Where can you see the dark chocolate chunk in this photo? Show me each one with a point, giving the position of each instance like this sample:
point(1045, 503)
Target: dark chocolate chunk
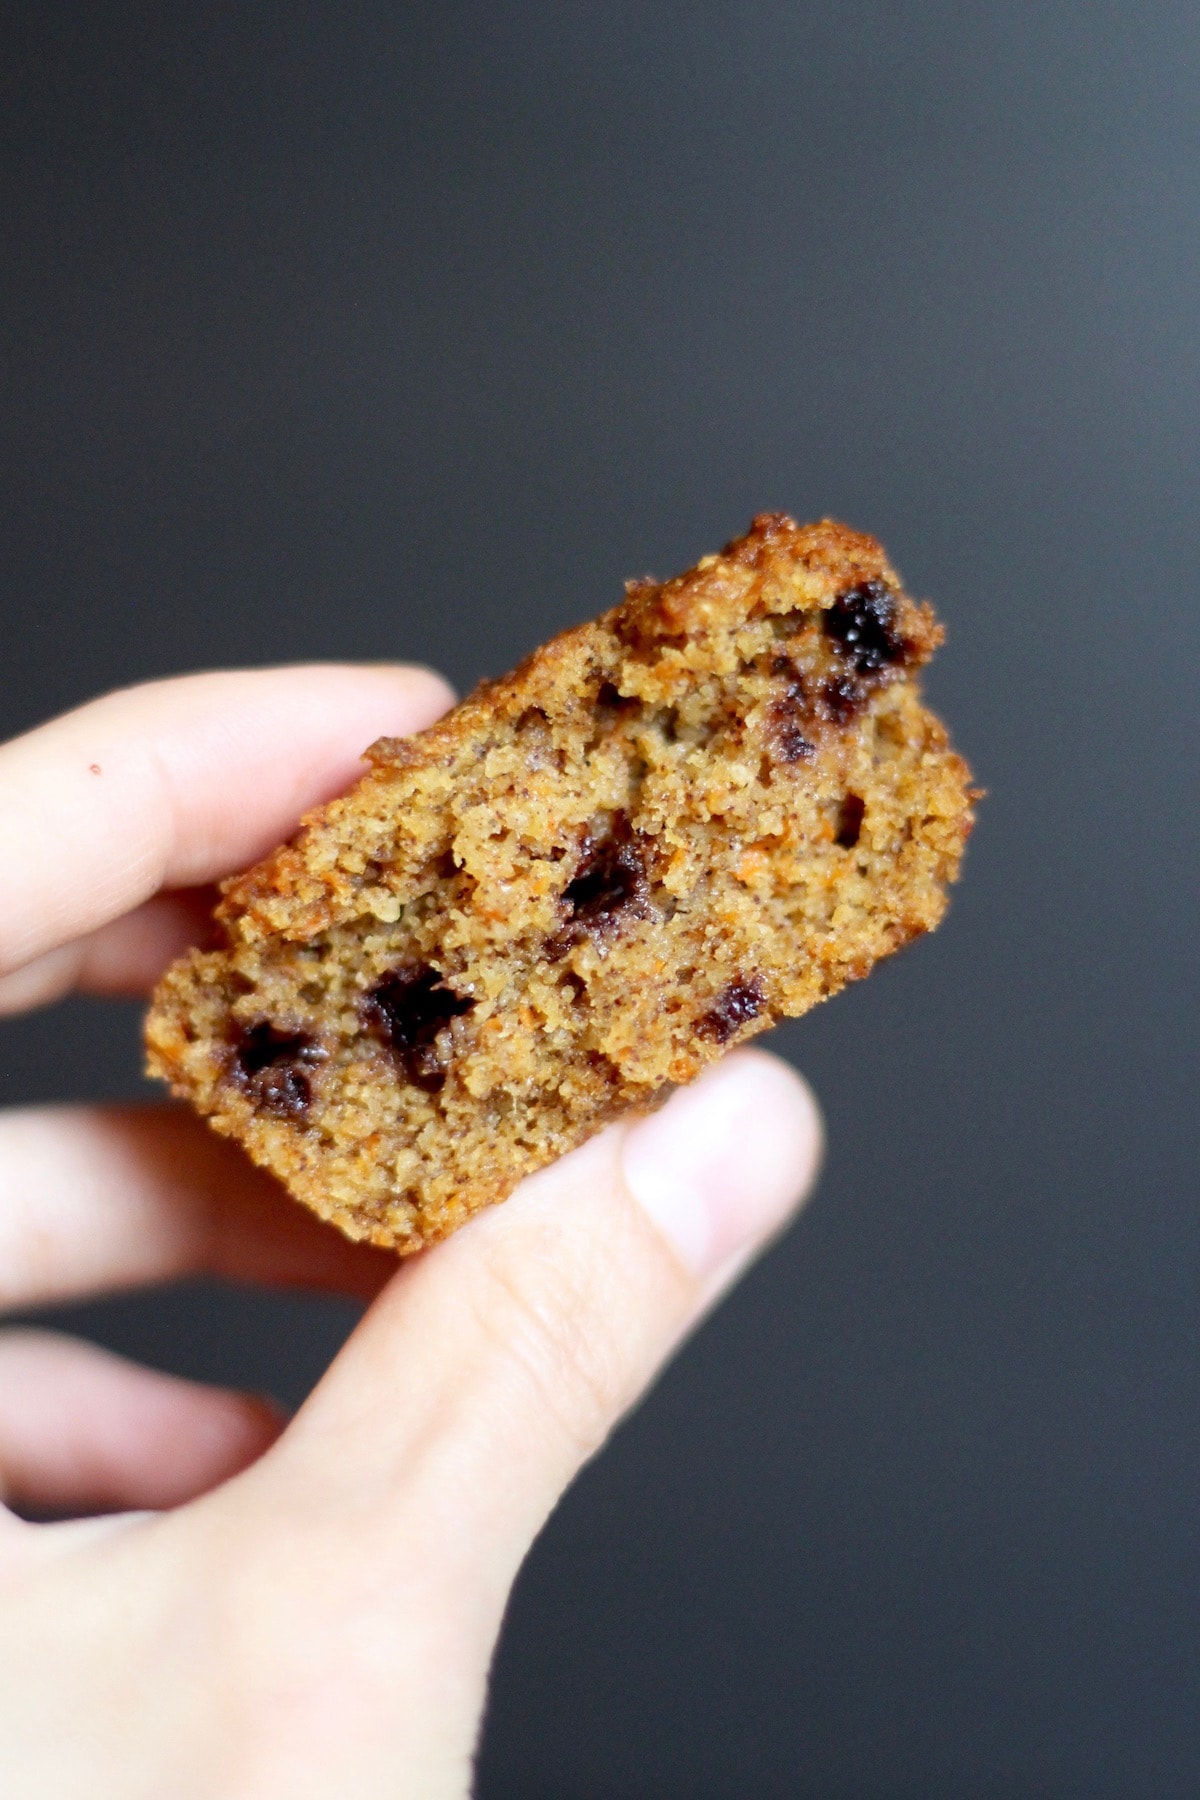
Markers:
point(850, 820)
point(408, 1010)
point(734, 1007)
point(610, 886)
point(861, 623)
point(274, 1068)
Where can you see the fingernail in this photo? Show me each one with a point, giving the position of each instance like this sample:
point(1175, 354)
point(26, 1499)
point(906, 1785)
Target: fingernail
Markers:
point(723, 1164)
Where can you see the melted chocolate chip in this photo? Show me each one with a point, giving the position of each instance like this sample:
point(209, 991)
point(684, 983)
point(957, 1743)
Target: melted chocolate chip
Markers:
point(786, 719)
point(612, 879)
point(861, 623)
point(842, 698)
point(273, 1067)
point(610, 886)
point(407, 1010)
point(850, 820)
point(734, 1007)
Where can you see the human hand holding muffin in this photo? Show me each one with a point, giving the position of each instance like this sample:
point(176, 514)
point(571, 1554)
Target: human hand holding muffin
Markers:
point(309, 1610)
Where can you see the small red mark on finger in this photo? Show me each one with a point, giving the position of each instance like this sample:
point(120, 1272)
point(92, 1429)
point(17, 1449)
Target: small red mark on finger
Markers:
point(95, 769)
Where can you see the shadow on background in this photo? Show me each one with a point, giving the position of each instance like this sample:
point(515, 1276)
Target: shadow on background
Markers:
point(383, 331)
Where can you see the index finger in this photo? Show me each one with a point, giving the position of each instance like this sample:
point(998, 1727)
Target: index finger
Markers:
point(176, 783)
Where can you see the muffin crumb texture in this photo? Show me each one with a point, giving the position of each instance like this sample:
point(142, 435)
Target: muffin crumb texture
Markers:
point(667, 829)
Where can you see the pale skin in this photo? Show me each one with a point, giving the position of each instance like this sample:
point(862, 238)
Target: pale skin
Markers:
point(269, 1610)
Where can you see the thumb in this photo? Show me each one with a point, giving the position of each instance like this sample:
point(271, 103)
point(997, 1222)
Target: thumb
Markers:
point(493, 1367)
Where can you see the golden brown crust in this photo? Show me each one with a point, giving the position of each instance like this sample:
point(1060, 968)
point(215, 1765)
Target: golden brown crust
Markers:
point(709, 808)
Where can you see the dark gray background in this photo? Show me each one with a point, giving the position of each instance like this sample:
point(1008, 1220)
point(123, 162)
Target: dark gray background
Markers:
point(366, 330)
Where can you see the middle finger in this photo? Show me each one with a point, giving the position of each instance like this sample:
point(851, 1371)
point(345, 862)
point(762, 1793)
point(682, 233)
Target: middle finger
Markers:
point(126, 956)
point(94, 1199)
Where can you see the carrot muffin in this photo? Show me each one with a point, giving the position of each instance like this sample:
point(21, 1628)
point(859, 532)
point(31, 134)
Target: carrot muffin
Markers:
point(667, 829)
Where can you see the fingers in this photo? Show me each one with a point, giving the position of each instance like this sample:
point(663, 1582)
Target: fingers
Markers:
point(126, 956)
point(367, 1557)
point(177, 783)
point(83, 1430)
point(493, 1367)
point(96, 1198)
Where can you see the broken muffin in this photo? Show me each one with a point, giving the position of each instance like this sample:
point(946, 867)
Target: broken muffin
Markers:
point(707, 810)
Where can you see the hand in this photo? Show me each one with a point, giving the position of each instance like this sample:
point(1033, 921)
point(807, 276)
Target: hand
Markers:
point(306, 1611)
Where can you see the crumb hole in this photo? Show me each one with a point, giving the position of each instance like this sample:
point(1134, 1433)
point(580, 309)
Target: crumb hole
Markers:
point(850, 819)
